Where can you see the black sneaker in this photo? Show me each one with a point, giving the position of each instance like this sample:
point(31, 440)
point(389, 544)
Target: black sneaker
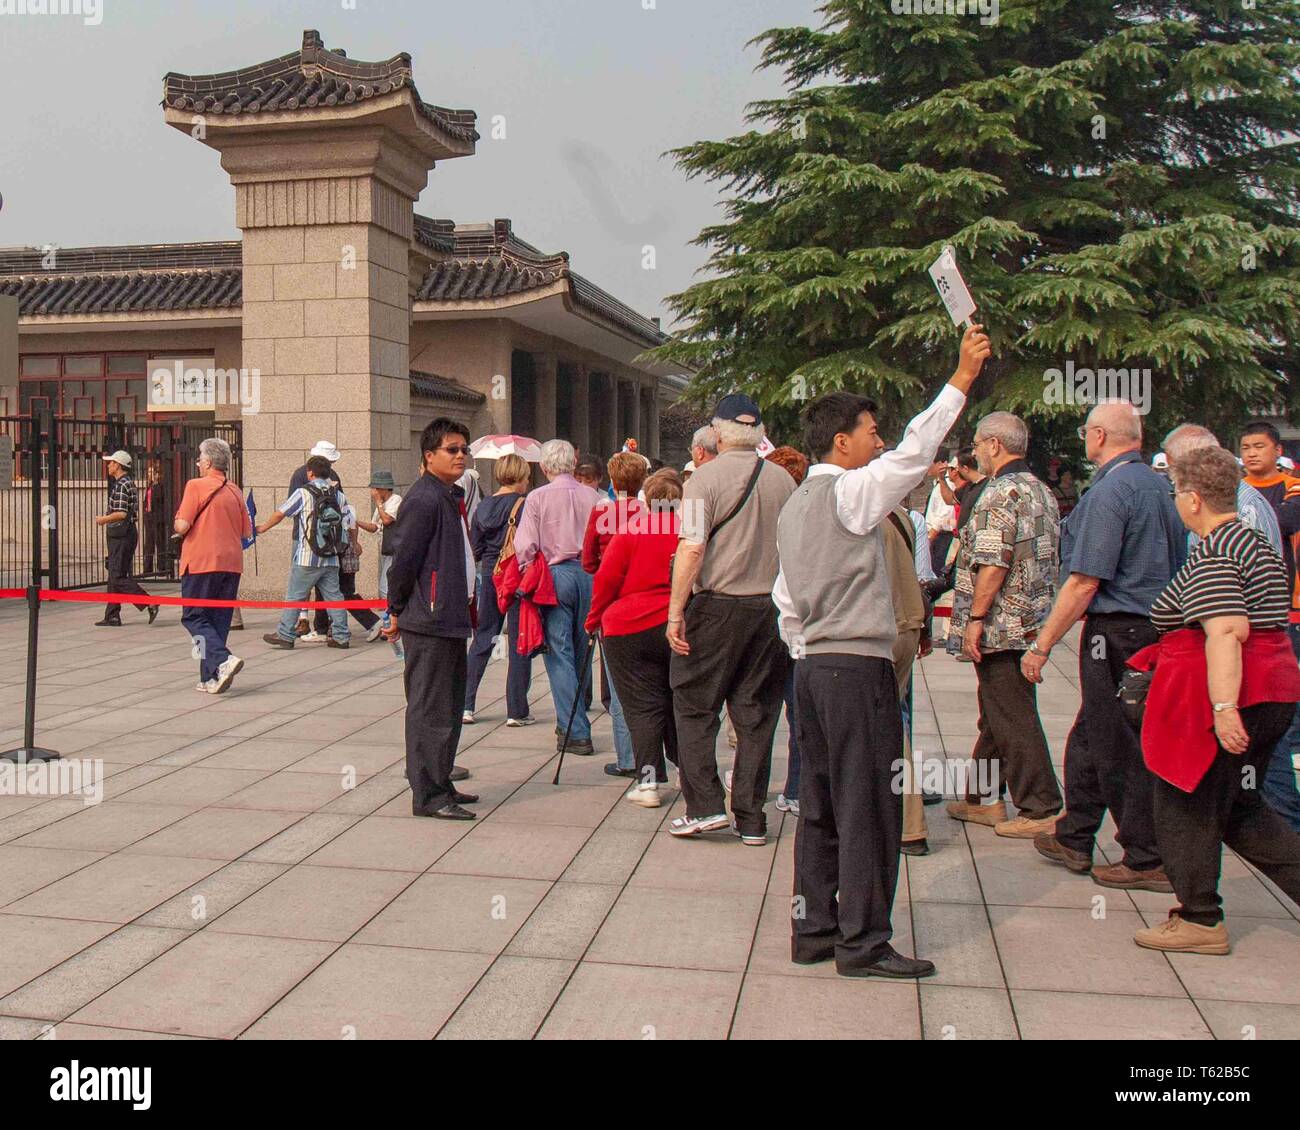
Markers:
point(276, 640)
point(614, 771)
point(153, 613)
point(108, 622)
point(582, 747)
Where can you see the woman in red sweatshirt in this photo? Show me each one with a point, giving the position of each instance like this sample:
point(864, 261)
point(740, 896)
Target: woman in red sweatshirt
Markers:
point(629, 605)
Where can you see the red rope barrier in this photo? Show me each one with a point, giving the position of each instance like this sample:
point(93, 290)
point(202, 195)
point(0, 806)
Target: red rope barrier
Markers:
point(184, 602)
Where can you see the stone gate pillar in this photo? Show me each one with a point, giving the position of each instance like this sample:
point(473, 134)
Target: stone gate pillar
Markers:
point(327, 156)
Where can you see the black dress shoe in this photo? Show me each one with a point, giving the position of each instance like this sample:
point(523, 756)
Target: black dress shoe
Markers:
point(466, 798)
point(915, 847)
point(108, 622)
point(275, 640)
point(459, 774)
point(153, 613)
point(580, 746)
point(893, 964)
point(929, 798)
point(810, 956)
point(614, 771)
point(455, 812)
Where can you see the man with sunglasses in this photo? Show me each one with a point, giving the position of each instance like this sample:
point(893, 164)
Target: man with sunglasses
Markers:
point(431, 591)
point(1119, 549)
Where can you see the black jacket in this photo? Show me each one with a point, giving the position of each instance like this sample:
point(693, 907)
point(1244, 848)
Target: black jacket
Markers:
point(491, 520)
point(427, 587)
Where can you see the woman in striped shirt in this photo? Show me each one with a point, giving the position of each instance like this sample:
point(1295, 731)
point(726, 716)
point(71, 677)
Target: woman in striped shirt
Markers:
point(1223, 693)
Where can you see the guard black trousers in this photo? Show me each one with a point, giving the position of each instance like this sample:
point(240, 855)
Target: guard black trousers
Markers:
point(850, 808)
point(434, 678)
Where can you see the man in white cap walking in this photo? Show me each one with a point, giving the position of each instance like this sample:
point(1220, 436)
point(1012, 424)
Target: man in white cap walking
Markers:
point(313, 629)
point(121, 535)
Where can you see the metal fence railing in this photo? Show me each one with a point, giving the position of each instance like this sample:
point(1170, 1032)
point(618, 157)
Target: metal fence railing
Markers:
point(67, 467)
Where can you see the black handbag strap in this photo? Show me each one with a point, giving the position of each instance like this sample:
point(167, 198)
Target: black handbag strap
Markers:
point(208, 502)
point(749, 489)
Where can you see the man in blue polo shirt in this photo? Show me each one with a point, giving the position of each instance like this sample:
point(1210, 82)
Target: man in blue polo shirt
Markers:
point(1120, 547)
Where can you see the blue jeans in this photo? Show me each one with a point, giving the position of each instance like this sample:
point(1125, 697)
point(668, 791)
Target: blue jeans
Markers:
point(324, 578)
point(622, 735)
point(1279, 779)
point(566, 645)
point(209, 625)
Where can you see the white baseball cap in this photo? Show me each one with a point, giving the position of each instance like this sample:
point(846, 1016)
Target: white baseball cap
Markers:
point(327, 449)
point(1286, 462)
point(118, 457)
point(1160, 461)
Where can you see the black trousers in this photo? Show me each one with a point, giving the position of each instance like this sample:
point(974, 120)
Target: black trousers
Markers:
point(1011, 737)
point(121, 552)
point(736, 658)
point(639, 664)
point(1106, 769)
point(363, 616)
point(1228, 807)
point(850, 808)
point(434, 678)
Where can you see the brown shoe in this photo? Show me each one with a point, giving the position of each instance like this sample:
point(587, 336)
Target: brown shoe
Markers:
point(1177, 936)
point(1057, 852)
point(1025, 828)
point(1124, 878)
point(990, 814)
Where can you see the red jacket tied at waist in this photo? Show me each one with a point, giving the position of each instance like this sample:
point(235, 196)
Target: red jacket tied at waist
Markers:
point(535, 588)
point(1178, 742)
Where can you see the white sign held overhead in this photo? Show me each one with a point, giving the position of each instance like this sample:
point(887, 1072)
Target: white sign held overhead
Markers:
point(952, 287)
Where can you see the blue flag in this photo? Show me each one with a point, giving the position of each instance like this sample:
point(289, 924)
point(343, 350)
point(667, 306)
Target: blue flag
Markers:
point(252, 518)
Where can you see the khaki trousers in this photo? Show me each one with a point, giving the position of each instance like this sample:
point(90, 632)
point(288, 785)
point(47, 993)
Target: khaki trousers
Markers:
point(905, 646)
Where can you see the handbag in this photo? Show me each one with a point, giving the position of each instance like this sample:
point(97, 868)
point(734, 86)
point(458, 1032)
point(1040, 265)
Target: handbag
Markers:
point(508, 545)
point(1132, 694)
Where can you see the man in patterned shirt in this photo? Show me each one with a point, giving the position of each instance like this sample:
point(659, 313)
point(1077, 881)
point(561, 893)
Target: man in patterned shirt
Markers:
point(1006, 581)
point(121, 535)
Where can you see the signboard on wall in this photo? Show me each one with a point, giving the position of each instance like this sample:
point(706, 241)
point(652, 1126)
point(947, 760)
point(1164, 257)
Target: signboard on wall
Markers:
point(182, 384)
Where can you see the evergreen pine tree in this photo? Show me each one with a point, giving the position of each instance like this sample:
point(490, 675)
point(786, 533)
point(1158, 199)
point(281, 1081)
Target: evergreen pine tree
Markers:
point(1119, 180)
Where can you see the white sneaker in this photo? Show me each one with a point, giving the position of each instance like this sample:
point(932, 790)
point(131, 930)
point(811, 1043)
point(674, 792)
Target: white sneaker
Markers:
point(467, 718)
point(206, 688)
point(226, 675)
point(694, 825)
point(374, 632)
point(521, 721)
point(312, 637)
point(647, 796)
point(790, 806)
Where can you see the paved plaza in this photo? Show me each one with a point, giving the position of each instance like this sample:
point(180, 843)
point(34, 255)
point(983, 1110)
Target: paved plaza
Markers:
point(254, 872)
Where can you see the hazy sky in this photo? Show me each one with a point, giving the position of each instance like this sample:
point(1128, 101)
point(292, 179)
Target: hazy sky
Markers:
point(592, 91)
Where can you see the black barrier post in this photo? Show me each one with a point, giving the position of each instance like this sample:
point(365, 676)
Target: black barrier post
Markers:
point(42, 436)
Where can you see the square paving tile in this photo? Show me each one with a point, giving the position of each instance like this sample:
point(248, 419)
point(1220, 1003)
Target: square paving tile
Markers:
point(704, 864)
point(679, 929)
point(528, 851)
point(369, 992)
point(288, 792)
point(390, 844)
point(631, 1002)
point(1093, 1016)
point(511, 1000)
point(961, 1012)
point(316, 903)
point(475, 914)
point(33, 945)
point(27, 869)
point(1264, 964)
point(790, 1008)
point(116, 889)
point(215, 833)
point(213, 985)
point(106, 827)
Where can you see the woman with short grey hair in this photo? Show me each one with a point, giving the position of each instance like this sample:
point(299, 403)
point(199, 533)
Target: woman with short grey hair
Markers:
point(558, 457)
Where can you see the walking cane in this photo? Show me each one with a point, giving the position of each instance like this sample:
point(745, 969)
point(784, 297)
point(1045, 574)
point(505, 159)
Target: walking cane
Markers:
point(584, 673)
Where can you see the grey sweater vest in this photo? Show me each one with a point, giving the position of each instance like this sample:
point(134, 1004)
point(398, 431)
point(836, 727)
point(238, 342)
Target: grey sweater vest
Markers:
point(837, 580)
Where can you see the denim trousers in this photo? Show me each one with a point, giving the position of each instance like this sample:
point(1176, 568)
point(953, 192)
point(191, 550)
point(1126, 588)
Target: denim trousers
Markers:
point(1279, 777)
point(567, 656)
point(323, 578)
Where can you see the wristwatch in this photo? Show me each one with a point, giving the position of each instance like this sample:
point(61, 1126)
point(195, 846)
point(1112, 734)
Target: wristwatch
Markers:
point(1220, 707)
point(1036, 650)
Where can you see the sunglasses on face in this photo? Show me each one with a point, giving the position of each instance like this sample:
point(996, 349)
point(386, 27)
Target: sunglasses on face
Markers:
point(456, 449)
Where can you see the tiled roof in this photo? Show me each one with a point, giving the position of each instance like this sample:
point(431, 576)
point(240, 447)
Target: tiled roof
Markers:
point(313, 77)
point(490, 261)
point(132, 291)
point(140, 257)
point(444, 388)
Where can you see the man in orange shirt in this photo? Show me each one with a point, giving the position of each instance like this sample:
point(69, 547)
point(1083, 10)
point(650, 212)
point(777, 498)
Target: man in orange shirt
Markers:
point(1261, 448)
point(212, 521)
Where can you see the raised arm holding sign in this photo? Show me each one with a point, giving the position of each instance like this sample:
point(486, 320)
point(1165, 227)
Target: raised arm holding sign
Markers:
point(952, 288)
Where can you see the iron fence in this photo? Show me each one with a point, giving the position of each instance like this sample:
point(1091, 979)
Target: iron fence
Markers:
point(64, 461)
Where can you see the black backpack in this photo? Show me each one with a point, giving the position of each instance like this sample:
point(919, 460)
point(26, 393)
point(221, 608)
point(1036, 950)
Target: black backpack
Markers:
point(324, 528)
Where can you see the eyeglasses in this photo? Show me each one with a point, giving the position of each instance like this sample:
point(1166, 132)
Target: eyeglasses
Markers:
point(456, 449)
point(1083, 431)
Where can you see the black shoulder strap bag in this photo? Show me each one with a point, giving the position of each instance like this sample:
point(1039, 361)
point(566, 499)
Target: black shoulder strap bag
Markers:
point(749, 489)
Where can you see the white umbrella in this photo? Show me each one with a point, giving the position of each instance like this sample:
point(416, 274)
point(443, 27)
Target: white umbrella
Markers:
point(493, 447)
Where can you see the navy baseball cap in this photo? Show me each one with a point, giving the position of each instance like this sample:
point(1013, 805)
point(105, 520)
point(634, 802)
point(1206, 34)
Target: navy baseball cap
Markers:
point(738, 407)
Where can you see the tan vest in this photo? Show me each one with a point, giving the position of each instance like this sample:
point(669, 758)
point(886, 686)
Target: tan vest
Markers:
point(909, 607)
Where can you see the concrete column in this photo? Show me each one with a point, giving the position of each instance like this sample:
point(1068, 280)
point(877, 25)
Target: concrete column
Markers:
point(634, 391)
point(610, 420)
point(545, 374)
point(651, 425)
point(581, 400)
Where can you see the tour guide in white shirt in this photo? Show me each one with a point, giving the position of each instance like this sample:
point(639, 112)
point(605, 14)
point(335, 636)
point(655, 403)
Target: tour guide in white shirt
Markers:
point(837, 617)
